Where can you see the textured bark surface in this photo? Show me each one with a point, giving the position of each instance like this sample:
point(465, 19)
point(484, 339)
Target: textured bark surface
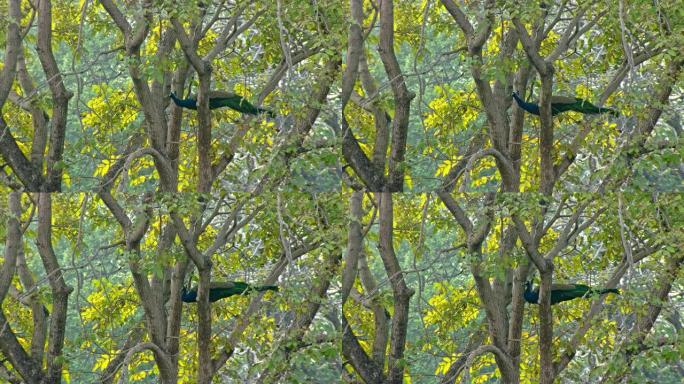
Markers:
point(222, 196)
point(401, 293)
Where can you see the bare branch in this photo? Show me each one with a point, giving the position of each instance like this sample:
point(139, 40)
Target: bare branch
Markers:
point(457, 212)
point(530, 48)
point(123, 377)
point(460, 18)
point(402, 97)
point(501, 356)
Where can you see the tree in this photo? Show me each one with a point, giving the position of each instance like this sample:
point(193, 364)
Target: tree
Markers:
point(547, 223)
point(173, 215)
point(397, 196)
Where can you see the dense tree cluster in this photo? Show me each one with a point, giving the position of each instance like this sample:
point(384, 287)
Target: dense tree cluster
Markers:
point(366, 191)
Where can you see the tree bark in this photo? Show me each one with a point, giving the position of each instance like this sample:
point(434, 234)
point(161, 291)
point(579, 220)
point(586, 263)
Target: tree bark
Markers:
point(60, 290)
point(402, 98)
point(60, 98)
point(400, 292)
point(9, 344)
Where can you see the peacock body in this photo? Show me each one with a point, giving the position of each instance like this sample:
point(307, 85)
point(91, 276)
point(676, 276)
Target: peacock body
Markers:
point(565, 292)
point(560, 104)
point(221, 290)
point(220, 99)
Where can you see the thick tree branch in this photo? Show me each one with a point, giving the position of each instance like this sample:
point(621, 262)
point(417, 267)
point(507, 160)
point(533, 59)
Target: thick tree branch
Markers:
point(60, 97)
point(402, 97)
point(359, 359)
point(60, 290)
point(12, 50)
point(354, 244)
point(123, 377)
point(596, 306)
point(400, 290)
point(357, 159)
point(460, 17)
point(242, 322)
point(498, 353)
point(456, 210)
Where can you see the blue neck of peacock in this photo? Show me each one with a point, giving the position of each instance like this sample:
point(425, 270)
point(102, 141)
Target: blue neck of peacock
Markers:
point(529, 107)
point(529, 295)
point(185, 103)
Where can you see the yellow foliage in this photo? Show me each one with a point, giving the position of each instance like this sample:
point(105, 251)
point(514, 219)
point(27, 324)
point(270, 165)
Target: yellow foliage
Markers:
point(443, 366)
point(109, 305)
point(407, 376)
point(494, 42)
point(103, 360)
point(549, 44)
point(207, 43)
point(103, 167)
point(111, 109)
point(444, 168)
point(582, 91)
point(150, 48)
point(141, 358)
point(482, 361)
point(529, 173)
point(66, 180)
point(65, 374)
point(453, 109)
point(409, 181)
point(452, 308)
point(484, 163)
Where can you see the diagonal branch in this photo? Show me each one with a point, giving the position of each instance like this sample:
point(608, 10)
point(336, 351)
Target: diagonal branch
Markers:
point(596, 306)
point(501, 356)
point(158, 352)
point(530, 48)
point(456, 210)
point(460, 17)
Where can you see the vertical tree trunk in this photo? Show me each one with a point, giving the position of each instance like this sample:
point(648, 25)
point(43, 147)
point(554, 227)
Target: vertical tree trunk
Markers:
point(60, 291)
point(546, 170)
point(401, 293)
point(204, 326)
point(60, 97)
point(401, 94)
point(204, 150)
point(9, 345)
point(517, 311)
point(546, 328)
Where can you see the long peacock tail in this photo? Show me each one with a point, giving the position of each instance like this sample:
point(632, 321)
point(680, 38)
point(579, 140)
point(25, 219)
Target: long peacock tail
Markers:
point(237, 103)
point(261, 288)
point(583, 106)
point(606, 290)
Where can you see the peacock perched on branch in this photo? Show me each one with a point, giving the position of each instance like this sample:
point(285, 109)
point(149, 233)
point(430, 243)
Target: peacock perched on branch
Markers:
point(220, 290)
point(564, 292)
point(560, 104)
point(220, 99)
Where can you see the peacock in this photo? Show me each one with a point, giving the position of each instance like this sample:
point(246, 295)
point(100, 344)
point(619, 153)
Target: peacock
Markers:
point(560, 104)
point(220, 290)
point(564, 292)
point(220, 99)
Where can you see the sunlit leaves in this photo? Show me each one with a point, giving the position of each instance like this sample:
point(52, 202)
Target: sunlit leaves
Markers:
point(110, 305)
point(111, 109)
point(452, 110)
point(451, 309)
